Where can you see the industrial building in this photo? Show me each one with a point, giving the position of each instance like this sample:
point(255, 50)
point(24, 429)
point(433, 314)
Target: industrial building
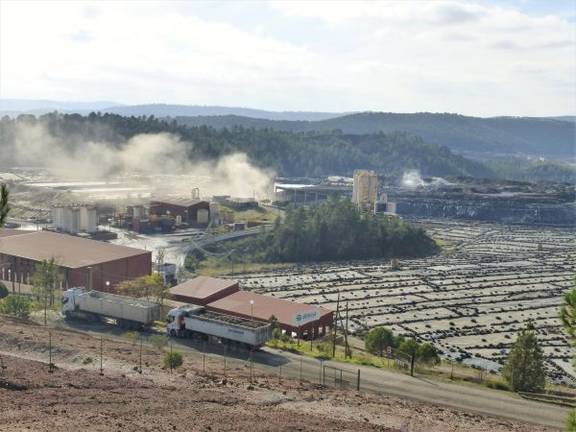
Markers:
point(184, 210)
point(309, 193)
point(365, 189)
point(203, 290)
point(225, 296)
point(301, 319)
point(94, 264)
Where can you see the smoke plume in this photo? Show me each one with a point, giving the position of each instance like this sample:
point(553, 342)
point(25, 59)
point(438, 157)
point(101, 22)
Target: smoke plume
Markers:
point(160, 158)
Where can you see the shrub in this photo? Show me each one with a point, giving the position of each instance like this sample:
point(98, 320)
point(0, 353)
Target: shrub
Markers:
point(17, 306)
point(3, 290)
point(571, 421)
point(159, 341)
point(172, 359)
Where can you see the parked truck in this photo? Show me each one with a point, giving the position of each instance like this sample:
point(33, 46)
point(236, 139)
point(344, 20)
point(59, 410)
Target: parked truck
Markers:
point(196, 321)
point(128, 312)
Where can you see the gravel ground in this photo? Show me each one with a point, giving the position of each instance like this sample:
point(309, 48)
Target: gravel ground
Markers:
point(76, 397)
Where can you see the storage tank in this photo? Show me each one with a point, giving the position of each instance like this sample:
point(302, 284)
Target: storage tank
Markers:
point(88, 219)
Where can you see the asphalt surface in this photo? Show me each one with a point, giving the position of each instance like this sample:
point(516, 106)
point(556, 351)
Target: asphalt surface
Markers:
point(467, 397)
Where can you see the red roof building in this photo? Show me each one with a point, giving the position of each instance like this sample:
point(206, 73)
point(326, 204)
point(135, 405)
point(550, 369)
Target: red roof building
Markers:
point(203, 290)
point(305, 320)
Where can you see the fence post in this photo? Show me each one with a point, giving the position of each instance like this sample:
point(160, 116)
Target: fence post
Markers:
point(101, 354)
point(300, 373)
point(50, 365)
point(204, 357)
point(251, 367)
point(358, 381)
point(412, 359)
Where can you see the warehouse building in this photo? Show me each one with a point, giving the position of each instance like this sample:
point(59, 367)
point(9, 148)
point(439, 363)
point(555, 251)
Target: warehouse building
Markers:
point(203, 290)
point(183, 210)
point(83, 262)
point(304, 320)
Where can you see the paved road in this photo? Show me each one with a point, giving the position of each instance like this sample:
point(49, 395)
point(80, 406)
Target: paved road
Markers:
point(466, 397)
point(476, 399)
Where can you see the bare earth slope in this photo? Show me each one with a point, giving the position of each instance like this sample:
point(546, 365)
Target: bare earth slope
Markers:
point(76, 397)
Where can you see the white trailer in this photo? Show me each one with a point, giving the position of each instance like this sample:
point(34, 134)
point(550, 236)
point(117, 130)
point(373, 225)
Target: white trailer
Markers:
point(96, 305)
point(190, 321)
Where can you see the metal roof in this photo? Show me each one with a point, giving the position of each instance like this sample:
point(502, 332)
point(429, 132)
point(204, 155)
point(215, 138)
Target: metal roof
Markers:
point(68, 250)
point(264, 307)
point(201, 287)
point(178, 201)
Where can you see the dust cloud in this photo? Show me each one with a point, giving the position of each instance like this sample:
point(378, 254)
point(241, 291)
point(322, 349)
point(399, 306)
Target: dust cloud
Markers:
point(161, 159)
point(413, 179)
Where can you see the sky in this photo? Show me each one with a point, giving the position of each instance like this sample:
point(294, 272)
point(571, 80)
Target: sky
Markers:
point(485, 58)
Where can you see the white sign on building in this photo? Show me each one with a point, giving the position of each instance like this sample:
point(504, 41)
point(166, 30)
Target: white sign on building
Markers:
point(302, 318)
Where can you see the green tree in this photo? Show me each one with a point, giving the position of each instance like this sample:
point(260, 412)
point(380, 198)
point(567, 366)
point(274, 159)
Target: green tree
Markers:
point(568, 314)
point(568, 318)
point(3, 290)
point(4, 205)
point(45, 280)
point(378, 339)
point(409, 347)
point(149, 287)
point(18, 306)
point(524, 367)
point(571, 421)
point(426, 353)
point(276, 331)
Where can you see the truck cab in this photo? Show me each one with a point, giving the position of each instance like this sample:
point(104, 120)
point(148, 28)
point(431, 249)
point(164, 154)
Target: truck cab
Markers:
point(176, 324)
point(69, 299)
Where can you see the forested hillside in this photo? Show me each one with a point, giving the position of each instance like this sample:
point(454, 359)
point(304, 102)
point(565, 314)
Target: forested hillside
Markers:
point(289, 154)
point(332, 231)
point(499, 135)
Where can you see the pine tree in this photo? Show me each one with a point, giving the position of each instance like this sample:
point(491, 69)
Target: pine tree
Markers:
point(524, 368)
point(4, 207)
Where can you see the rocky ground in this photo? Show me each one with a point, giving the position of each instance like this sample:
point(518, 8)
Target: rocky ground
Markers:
point(76, 397)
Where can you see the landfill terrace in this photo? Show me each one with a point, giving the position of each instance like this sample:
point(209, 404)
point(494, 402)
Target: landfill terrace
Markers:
point(470, 301)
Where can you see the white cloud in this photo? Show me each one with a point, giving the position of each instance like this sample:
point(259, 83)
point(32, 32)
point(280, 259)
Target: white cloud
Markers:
point(391, 56)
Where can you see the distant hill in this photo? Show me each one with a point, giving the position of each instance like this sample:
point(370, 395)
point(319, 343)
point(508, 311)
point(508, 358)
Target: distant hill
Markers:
point(163, 110)
point(14, 107)
point(41, 106)
point(287, 153)
point(549, 137)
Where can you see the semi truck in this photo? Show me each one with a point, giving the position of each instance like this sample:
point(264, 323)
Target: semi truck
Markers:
point(128, 312)
point(196, 321)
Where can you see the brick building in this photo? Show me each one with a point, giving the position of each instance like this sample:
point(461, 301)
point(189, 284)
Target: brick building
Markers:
point(83, 262)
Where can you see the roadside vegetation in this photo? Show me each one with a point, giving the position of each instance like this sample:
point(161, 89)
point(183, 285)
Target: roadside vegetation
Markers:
point(568, 317)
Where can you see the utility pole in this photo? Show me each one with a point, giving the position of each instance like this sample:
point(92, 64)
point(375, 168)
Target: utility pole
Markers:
point(347, 352)
point(335, 324)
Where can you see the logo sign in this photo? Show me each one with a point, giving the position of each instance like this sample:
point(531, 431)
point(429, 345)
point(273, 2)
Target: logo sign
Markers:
point(302, 318)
